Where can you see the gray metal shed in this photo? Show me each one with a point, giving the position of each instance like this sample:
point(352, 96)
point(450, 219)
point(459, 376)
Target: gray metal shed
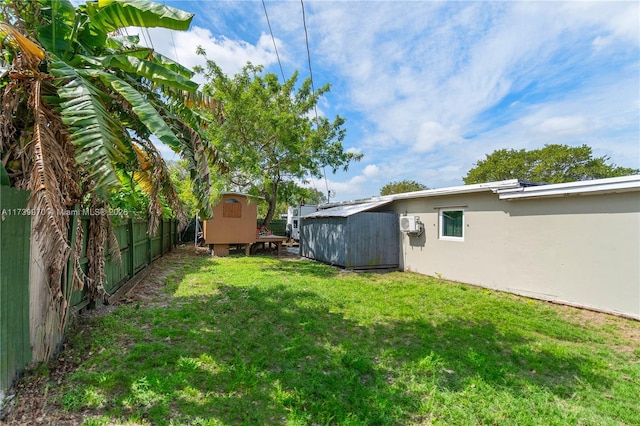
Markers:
point(351, 236)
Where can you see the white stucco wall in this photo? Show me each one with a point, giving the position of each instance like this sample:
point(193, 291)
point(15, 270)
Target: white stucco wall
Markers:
point(581, 250)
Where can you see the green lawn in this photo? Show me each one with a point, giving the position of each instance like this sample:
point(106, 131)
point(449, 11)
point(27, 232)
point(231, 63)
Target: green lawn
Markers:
point(260, 340)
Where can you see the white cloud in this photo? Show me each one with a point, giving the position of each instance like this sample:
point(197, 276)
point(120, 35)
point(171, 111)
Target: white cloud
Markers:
point(568, 125)
point(431, 133)
point(230, 55)
point(428, 88)
point(371, 171)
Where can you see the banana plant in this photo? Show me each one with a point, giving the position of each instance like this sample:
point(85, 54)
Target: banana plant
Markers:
point(81, 102)
point(108, 90)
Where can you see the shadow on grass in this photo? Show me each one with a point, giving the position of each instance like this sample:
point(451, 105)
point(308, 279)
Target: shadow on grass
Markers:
point(253, 356)
point(302, 267)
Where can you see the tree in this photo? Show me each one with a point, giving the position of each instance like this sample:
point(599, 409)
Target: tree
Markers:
point(291, 194)
point(181, 178)
point(551, 164)
point(268, 137)
point(401, 186)
point(79, 105)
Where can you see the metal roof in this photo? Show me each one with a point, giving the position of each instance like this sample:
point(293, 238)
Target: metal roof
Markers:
point(584, 187)
point(506, 189)
point(348, 209)
point(463, 189)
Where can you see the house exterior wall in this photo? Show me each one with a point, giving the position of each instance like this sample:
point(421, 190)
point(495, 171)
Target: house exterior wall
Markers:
point(580, 250)
point(232, 230)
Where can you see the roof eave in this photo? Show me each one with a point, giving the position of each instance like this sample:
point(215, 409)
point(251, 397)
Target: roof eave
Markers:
point(587, 187)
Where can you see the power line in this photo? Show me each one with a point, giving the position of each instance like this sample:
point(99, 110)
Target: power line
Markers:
point(173, 42)
point(273, 39)
point(315, 106)
point(149, 35)
point(306, 36)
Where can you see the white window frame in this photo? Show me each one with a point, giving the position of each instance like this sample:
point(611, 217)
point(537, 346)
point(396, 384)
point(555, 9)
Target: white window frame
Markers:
point(441, 223)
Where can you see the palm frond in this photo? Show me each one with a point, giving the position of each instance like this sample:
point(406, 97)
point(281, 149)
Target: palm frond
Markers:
point(158, 176)
point(98, 235)
point(93, 130)
point(48, 179)
point(139, 106)
point(109, 15)
point(31, 52)
point(129, 46)
point(153, 72)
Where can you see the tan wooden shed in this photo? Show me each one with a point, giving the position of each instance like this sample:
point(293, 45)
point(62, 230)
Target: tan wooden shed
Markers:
point(234, 222)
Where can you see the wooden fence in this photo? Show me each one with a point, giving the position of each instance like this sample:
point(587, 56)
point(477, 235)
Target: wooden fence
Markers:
point(15, 229)
point(137, 251)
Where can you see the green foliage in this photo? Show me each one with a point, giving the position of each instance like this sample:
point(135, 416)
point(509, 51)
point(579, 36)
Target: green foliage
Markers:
point(111, 94)
point(181, 178)
point(399, 187)
point(291, 194)
point(268, 137)
point(259, 340)
point(551, 164)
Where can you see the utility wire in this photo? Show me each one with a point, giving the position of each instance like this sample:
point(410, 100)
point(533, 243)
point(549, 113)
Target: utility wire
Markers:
point(173, 42)
point(306, 36)
point(315, 106)
point(149, 35)
point(274, 40)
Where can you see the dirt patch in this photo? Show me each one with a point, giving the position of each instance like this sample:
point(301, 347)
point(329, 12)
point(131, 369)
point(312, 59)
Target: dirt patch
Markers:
point(626, 328)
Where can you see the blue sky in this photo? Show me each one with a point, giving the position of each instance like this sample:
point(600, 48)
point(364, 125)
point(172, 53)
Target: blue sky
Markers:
point(429, 88)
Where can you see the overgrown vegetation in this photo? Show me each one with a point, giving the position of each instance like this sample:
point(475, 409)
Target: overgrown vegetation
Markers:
point(260, 340)
point(80, 103)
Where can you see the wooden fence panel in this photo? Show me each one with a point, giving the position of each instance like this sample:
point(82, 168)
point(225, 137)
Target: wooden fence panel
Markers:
point(167, 228)
point(118, 272)
point(156, 243)
point(15, 230)
point(137, 251)
point(141, 246)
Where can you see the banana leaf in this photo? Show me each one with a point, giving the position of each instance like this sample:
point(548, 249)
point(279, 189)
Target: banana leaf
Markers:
point(109, 15)
point(143, 109)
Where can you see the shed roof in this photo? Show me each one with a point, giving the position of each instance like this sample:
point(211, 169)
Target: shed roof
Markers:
point(349, 209)
point(243, 194)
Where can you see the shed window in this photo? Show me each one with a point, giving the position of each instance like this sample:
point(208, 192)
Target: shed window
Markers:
point(452, 224)
point(232, 208)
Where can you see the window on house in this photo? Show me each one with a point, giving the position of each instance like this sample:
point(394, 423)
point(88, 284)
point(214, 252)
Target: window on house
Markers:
point(232, 208)
point(452, 224)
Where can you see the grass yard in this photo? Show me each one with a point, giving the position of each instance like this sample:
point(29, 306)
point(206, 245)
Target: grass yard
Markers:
point(262, 340)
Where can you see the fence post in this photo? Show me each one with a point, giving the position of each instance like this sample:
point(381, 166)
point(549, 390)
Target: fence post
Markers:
point(149, 254)
point(170, 234)
point(132, 256)
point(162, 237)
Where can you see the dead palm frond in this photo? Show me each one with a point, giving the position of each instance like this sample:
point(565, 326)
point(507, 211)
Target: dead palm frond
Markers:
point(50, 180)
point(29, 54)
point(156, 181)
